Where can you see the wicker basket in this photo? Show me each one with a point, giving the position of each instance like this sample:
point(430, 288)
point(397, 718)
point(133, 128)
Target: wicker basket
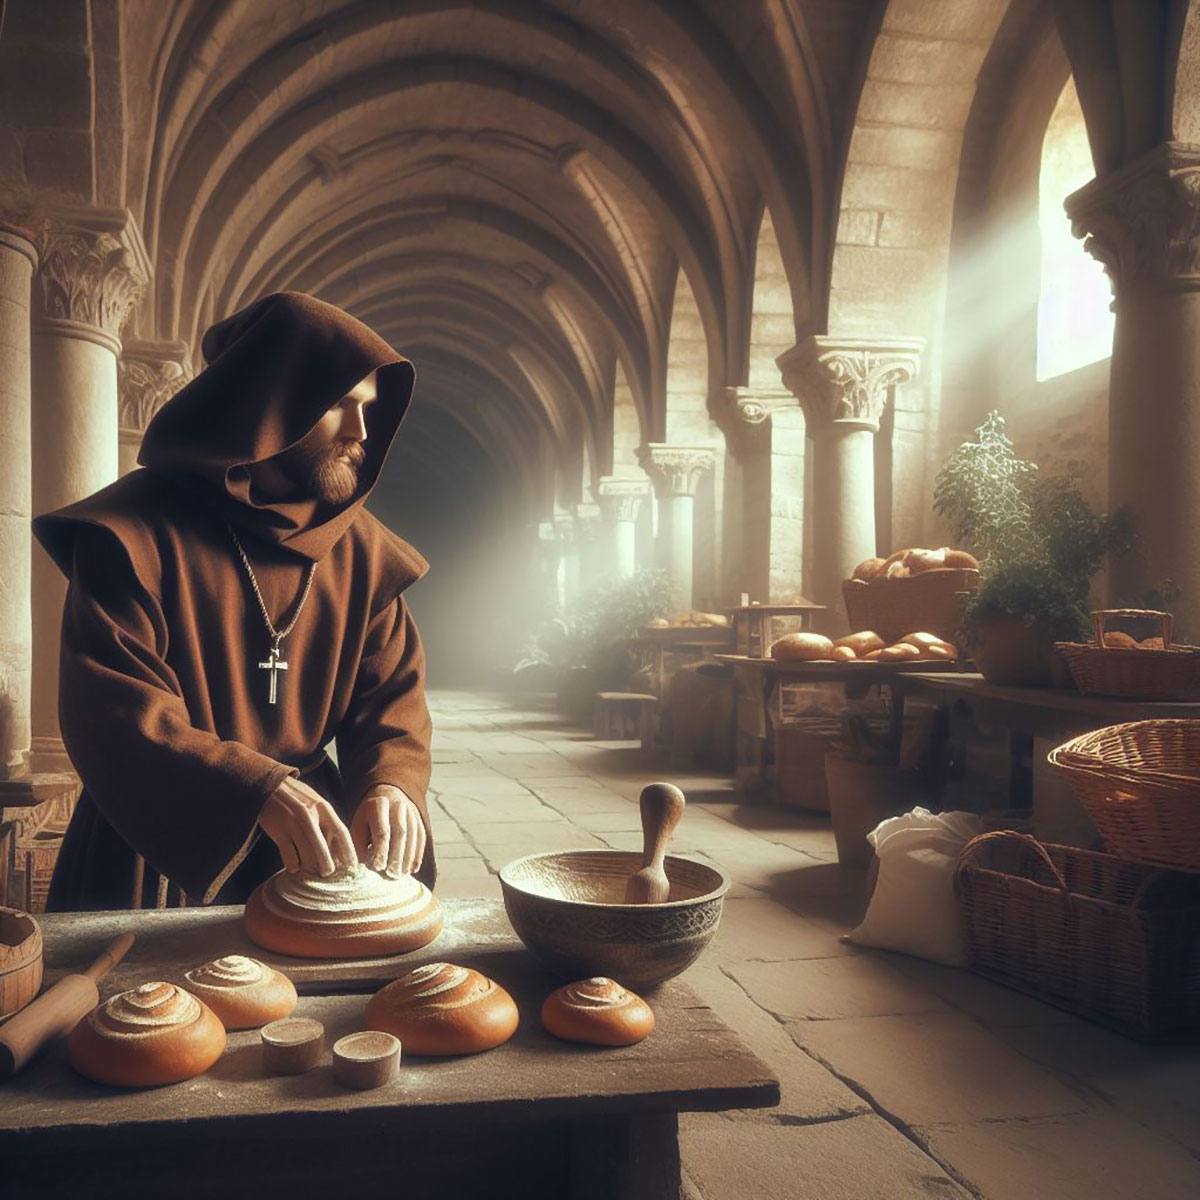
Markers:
point(1140, 784)
point(930, 602)
point(1172, 673)
point(1116, 942)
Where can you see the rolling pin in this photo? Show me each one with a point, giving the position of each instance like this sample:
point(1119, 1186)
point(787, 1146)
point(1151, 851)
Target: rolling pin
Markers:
point(57, 1011)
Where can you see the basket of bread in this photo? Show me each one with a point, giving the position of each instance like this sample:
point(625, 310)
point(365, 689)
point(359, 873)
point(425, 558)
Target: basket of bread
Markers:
point(1116, 663)
point(911, 589)
point(866, 646)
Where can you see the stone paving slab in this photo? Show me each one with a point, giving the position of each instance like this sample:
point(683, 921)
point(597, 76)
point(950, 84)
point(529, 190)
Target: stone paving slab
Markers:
point(858, 1158)
point(754, 928)
point(927, 1068)
point(826, 989)
point(1088, 1156)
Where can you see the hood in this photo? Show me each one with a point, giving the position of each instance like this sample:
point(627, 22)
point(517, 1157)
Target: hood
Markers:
point(273, 369)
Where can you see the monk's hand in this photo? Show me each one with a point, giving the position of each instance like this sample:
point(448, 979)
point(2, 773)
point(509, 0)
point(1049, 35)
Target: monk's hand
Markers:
point(303, 824)
point(388, 831)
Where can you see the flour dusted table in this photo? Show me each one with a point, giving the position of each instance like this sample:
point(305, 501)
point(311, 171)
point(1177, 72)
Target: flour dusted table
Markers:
point(535, 1118)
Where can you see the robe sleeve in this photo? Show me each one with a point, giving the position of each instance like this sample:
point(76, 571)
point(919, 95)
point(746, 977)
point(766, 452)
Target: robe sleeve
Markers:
point(384, 736)
point(183, 798)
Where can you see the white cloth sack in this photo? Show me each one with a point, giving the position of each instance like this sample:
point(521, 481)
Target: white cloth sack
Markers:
point(914, 909)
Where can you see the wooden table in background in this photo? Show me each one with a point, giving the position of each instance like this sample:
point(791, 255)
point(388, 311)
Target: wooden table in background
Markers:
point(758, 681)
point(751, 624)
point(1027, 713)
point(678, 639)
point(535, 1118)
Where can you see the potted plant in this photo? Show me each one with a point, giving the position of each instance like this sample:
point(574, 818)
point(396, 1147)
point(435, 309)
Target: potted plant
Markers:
point(1039, 543)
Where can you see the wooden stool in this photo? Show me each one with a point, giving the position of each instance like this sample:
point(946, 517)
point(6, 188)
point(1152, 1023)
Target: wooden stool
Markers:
point(625, 716)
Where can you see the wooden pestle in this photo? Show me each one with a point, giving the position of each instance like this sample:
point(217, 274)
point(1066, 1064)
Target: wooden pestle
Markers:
point(57, 1011)
point(662, 805)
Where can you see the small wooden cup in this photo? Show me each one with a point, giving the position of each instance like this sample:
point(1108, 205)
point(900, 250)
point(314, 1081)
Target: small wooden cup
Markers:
point(20, 960)
point(292, 1045)
point(366, 1060)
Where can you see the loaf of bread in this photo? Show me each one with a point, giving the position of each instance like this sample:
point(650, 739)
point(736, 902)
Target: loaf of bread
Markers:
point(862, 643)
point(930, 645)
point(441, 1009)
point(917, 561)
point(597, 1011)
point(901, 652)
point(868, 570)
point(960, 559)
point(243, 992)
point(354, 913)
point(801, 647)
point(843, 654)
point(155, 1034)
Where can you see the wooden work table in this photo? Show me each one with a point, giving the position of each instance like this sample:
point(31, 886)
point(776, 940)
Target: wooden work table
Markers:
point(533, 1118)
point(1027, 713)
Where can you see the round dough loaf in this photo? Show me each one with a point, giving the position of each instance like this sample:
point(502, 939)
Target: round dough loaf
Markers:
point(243, 992)
point(868, 570)
point(157, 1033)
point(901, 652)
point(801, 647)
point(598, 1011)
point(862, 643)
point(960, 559)
point(441, 1009)
point(354, 913)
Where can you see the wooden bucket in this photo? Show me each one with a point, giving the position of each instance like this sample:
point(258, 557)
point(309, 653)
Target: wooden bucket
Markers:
point(20, 960)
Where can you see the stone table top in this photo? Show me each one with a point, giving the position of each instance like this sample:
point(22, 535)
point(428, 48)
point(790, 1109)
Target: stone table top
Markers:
point(691, 1062)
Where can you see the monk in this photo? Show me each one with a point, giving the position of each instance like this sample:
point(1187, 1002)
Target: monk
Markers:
point(232, 610)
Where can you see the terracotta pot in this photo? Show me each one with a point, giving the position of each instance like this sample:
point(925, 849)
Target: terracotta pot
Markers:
point(1011, 653)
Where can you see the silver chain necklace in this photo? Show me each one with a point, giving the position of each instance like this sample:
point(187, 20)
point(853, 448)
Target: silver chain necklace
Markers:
point(274, 663)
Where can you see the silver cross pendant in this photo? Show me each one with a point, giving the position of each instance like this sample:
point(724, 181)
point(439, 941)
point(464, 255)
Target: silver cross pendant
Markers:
point(274, 664)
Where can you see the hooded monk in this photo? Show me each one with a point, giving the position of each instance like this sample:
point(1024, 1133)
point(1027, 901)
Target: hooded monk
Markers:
point(232, 609)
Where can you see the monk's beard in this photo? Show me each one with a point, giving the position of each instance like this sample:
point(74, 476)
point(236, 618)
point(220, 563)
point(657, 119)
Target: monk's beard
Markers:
point(331, 474)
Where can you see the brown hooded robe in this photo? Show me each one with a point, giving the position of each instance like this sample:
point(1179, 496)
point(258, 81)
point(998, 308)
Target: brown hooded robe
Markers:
point(162, 704)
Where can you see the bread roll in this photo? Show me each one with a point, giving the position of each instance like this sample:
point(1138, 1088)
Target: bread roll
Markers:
point(597, 1011)
point(843, 654)
point(155, 1034)
point(443, 1009)
point(658, 623)
point(924, 560)
point(863, 642)
point(801, 647)
point(901, 652)
point(354, 913)
point(868, 570)
point(960, 559)
point(897, 570)
point(940, 653)
point(243, 992)
point(873, 656)
point(895, 557)
point(1116, 639)
point(930, 645)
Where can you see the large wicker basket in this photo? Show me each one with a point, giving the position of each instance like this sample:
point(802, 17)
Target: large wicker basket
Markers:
point(1137, 673)
point(929, 602)
point(1114, 941)
point(1140, 784)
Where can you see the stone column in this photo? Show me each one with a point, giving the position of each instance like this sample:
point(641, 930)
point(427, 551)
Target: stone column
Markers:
point(620, 500)
point(766, 432)
point(1143, 223)
point(675, 473)
point(148, 375)
point(568, 559)
point(843, 385)
point(93, 270)
point(591, 548)
point(18, 260)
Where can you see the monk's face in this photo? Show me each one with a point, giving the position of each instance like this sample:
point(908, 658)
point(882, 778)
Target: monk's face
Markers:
point(325, 463)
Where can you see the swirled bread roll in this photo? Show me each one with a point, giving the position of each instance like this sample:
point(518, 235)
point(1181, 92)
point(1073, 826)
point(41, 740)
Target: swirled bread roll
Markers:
point(598, 1011)
point(442, 1009)
point(243, 992)
point(155, 1034)
point(354, 913)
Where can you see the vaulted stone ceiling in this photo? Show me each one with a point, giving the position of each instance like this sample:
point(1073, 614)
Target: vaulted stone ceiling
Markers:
point(507, 191)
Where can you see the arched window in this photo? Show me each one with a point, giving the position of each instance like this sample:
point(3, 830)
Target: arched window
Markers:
point(1075, 324)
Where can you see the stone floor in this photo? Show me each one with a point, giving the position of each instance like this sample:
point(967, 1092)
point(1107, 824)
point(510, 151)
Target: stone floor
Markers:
point(900, 1078)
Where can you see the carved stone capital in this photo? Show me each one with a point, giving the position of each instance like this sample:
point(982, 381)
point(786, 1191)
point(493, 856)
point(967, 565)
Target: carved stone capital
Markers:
point(1142, 222)
point(845, 382)
point(565, 532)
point(621, 497)
point(587, 522)
point(675, 470)
point(747, 416)
point(93, 270)
point(148, 375)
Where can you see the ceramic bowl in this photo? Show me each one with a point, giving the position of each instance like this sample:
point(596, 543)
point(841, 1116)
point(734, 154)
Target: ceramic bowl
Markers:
point(569, 909)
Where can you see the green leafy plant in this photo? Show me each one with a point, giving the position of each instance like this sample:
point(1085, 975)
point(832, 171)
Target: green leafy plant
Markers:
point(1039, 541)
